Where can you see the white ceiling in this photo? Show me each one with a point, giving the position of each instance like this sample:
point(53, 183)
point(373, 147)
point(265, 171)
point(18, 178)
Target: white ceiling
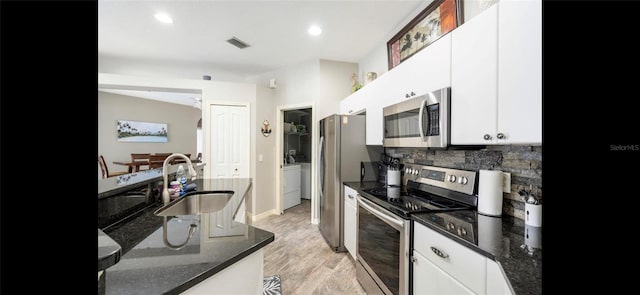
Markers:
point(275, 30)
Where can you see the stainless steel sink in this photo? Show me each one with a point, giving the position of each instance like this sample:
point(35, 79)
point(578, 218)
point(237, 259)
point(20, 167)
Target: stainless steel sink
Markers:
point(195, 203)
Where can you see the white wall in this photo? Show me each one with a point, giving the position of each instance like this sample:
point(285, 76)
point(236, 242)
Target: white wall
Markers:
point(298, 83)
point(163, 69)
point(376, 60)
point(264, 183)
point(335, 84)
point(181, 123)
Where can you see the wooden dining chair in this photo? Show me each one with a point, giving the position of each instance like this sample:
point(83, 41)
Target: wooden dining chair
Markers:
point(105, 169)
point(157, 160)
point(180, 160)
point(143, 159)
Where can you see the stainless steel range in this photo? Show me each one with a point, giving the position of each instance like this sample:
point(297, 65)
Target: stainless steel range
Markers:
point(384, 227)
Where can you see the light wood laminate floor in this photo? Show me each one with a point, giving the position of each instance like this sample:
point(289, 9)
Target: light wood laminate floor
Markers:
point(302, 258)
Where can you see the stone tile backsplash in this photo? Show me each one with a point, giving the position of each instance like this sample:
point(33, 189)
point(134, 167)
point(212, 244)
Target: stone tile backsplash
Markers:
point(523, 162)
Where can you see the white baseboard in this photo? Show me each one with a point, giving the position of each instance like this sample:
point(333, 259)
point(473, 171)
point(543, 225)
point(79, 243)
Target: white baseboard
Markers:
point(263, 215)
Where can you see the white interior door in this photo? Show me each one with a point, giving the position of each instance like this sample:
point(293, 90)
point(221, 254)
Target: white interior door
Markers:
point(229, 141)
point(229, 159)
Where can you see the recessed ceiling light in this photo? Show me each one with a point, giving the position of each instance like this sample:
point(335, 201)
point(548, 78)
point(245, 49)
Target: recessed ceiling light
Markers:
point(314, 30)
point(163, 17)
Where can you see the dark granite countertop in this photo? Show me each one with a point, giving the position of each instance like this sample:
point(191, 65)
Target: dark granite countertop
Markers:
point(115, 185)
point(501, 239)
point(148, 266)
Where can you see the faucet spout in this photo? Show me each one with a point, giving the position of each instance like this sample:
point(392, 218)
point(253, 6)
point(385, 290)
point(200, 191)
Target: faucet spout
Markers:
point(165, 184)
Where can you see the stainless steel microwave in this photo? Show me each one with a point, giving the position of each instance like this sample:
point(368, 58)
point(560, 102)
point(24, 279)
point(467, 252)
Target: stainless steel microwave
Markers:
point(421, 121)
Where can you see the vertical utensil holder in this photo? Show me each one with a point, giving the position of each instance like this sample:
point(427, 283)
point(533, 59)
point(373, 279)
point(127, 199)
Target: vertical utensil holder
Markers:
point(533, 214)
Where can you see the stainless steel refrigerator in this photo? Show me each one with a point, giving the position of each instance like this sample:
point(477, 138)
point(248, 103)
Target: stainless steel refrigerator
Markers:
point(341, 149)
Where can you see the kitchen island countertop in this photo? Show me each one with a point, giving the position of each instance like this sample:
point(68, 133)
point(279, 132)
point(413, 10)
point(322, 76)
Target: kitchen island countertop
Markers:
point(148, 266)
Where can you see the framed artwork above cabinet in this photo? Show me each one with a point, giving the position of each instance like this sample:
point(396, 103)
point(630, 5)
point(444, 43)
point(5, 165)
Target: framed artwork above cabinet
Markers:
point(435, 21)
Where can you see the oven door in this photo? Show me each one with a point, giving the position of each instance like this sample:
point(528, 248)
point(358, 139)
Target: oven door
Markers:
point(382, 249)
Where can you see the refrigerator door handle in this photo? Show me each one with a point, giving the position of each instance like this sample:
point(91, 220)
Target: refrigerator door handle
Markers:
point(320, 168)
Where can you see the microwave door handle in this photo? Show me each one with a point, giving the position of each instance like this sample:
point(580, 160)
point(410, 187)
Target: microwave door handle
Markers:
point(421, 118)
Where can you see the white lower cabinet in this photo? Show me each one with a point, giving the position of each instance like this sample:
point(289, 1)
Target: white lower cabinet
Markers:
point(466, 269)
point(430, 279)
point(244, 277)
point(350, 211)
point(496, 281)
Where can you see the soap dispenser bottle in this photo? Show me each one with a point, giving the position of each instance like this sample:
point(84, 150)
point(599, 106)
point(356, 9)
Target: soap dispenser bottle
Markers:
point(182, 179)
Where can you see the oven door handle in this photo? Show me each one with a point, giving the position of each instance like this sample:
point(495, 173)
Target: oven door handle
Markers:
point(421, 121)
point(369, 206)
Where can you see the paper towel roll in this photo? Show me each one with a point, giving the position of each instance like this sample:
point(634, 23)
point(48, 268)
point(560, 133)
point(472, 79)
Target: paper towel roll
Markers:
point(490, 192)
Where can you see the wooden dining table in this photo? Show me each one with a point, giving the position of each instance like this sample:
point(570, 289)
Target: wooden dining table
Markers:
point(135, 166)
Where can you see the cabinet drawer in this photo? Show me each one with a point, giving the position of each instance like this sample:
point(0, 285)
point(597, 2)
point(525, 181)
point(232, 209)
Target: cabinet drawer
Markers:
point(463, 264)
point(350, 196)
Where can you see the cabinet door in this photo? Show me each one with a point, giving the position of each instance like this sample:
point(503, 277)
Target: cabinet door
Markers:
point(350, 220)
point(429, 279)
point(350, 229)
point(474, 74)
point(377, 98)
point(354, 104)
point(426, 71)
point(520, 71)
point(496, 282)
point(463, 264)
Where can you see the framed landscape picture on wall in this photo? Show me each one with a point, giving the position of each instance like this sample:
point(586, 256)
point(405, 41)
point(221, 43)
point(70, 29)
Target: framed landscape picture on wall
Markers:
point(134, 131)
point(438, 19)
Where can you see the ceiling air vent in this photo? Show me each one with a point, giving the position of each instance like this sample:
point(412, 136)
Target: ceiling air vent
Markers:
point(237, 43)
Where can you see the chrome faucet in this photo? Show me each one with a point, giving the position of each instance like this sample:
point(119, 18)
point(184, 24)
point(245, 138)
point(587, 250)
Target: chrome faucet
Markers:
point(165, 184)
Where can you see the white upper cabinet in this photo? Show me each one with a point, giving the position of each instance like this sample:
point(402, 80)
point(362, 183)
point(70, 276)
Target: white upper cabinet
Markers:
point(520, 71)
point(355, 103)
point(427, 70)
point(496, 80)
point(474, 73)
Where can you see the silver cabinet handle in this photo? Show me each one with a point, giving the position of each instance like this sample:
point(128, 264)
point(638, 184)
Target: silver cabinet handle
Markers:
point(414, 259)
point(501, 136)
point(487, 137)
point(350, 196)
point(440, 253)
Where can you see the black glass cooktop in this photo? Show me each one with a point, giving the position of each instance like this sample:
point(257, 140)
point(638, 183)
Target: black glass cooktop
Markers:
point(412, 201)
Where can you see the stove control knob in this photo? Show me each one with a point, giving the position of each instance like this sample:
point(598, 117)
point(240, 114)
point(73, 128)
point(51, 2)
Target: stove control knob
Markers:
point(408, 170)
point(415, 171)
point(451, 226)
point(462, 180)
point(462, 232)
point(452, 178)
